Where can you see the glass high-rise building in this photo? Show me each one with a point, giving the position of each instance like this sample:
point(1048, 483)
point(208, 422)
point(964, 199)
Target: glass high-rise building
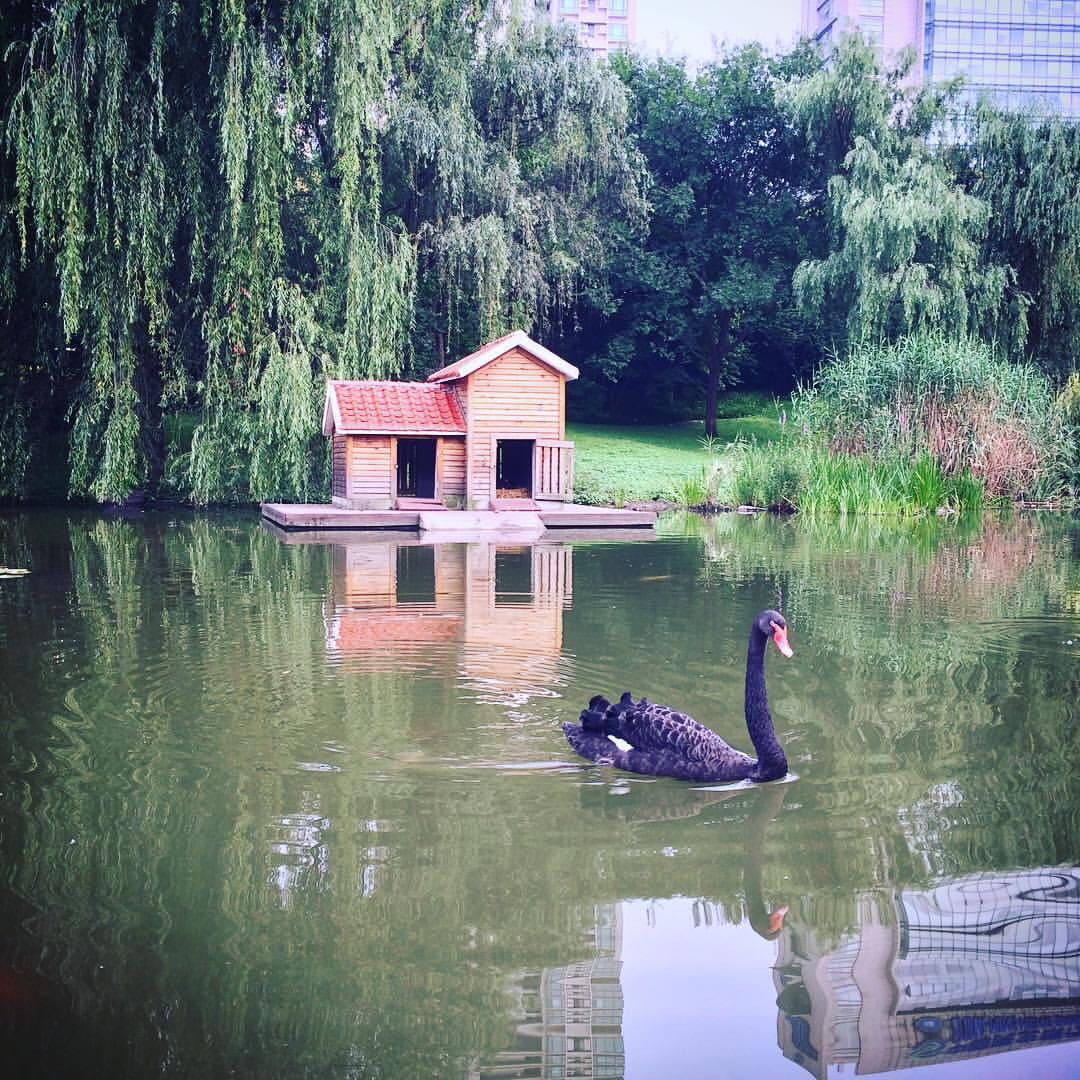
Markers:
point(1021, 52)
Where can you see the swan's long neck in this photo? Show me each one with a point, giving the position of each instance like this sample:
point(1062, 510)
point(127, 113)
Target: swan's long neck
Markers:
point(767, 807)
point(771, 758)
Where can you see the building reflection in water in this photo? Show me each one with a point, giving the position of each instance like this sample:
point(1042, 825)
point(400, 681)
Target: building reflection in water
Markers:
point(978, 965)
point(497, 606)
point(492, 612)
point(571, 1023)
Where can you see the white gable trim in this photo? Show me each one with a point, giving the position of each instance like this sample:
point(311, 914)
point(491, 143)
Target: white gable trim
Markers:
point(517, 340)
point(331, 417)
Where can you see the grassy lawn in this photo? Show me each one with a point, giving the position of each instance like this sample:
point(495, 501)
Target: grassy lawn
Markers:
point(615, 464)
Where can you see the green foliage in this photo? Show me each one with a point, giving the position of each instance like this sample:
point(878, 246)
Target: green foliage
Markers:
point(210, 210)
point(1069, 402)
point(1069, 399)
point(1025, 168)
point(14, 450)
point(796, 475)
point(743, 403)
point(693, 491)
point(235, 202)
point(765, 477)
point(953, 400)
point(704, 301)
point(507, 160)
point(907, 244)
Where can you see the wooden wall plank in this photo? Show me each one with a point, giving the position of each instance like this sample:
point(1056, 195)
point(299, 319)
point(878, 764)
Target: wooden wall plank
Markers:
point(370, 467)
point(451, 465)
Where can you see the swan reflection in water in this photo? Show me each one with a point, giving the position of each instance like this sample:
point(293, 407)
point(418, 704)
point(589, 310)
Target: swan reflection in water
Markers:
point(574, 1013)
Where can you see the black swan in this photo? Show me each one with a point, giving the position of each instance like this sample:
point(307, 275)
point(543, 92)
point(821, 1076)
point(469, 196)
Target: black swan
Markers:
point(664, 742)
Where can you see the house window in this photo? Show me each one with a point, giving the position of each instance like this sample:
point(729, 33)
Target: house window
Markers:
point(872, 28)
point(617, 7)
point(616, 32)
point(568, 7)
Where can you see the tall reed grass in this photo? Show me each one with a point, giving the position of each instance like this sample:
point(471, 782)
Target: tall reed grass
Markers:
point(950, 401)
point(798, 475)
point(1069, 401)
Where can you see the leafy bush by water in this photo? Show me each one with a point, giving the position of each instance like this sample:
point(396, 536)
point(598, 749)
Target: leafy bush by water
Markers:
point(1069, 401)
point(798, 475)
point(950, 400)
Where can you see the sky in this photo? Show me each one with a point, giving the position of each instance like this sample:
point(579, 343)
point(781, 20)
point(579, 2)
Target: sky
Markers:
point(689, 27)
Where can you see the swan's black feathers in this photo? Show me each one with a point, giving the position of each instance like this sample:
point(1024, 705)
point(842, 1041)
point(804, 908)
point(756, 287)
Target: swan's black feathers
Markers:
point(665, 742)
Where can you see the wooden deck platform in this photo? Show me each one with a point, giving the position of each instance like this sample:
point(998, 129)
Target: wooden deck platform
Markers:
point(547, 516)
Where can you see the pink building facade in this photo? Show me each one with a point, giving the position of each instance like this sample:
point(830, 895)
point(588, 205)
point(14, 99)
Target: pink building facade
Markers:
point(890, 24)
point(603, 26)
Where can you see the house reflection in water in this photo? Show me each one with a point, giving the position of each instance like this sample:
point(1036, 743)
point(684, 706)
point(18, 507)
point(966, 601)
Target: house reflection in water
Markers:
point(496, 608)
point(978, 965)
point(571, 1017)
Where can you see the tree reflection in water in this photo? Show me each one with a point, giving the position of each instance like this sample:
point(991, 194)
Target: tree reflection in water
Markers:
point(259, 817)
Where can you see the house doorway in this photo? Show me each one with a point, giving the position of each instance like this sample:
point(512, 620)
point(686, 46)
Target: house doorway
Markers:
point(513, 468)
point(416, 468)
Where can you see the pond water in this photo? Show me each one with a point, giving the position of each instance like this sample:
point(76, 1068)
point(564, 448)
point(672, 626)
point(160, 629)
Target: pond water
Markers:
point(275, 808)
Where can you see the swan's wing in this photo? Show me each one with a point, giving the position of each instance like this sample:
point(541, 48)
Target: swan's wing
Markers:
point(602, 750)
point(660, 729)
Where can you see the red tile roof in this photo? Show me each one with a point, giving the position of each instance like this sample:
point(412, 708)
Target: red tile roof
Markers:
point(395, 408)
point(361, 630)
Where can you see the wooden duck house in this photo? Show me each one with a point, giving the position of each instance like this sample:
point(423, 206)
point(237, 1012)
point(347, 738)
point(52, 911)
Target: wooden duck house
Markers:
point(487, 432)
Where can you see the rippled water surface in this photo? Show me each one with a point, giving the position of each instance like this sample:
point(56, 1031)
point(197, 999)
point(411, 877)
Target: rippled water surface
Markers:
point(275, 808)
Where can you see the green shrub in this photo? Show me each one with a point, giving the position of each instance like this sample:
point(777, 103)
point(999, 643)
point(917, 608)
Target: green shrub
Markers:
point(769, 475)
point(951, 400)
point(1069, 402)
point(816, 481)
point(1069, 399)
point(741, 403)
point(693, 491)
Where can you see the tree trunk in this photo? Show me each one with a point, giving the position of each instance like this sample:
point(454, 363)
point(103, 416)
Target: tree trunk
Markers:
point(151, 422)
point(712, 393)
point(712, 382)
point(440, 350)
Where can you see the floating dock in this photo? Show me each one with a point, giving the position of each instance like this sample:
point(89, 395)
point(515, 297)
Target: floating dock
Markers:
point(454, 524)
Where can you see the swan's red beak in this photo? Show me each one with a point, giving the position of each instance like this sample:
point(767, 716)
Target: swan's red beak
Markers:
point(776, 919)
point(780, 638)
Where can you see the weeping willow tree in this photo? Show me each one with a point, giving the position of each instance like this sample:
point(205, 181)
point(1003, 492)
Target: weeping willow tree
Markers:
point(508, 170)
point(1025, 167)
point(214, 192)
point(906, 245)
